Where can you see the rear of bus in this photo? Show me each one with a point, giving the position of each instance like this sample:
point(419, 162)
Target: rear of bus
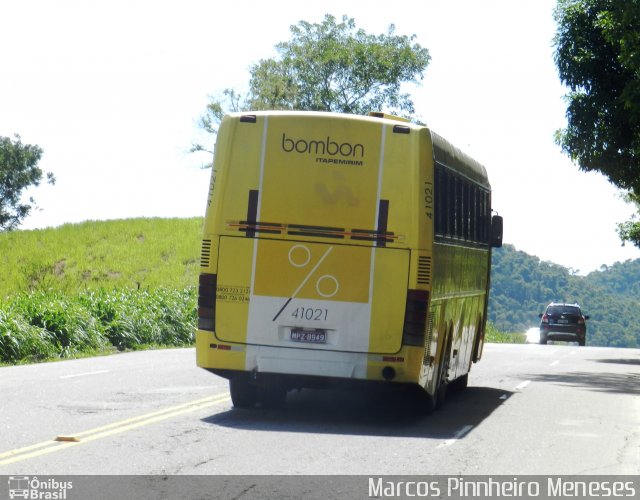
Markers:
point(313, 271)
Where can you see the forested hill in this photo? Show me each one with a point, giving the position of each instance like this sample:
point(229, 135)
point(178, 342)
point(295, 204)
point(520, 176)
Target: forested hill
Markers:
point(522, 285)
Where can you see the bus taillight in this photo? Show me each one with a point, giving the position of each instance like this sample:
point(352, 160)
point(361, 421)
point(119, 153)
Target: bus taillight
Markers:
point(415, 317)
point(207, 302)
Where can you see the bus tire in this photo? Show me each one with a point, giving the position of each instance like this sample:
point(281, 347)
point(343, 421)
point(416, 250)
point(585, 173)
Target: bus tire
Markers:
point(441, 389)
point(461, 383)
point(243, 394)
point(272, 397)
point(441, 394)
point(421, 402)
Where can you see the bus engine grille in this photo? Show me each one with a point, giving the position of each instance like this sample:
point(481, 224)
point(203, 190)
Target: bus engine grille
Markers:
point(424, 270)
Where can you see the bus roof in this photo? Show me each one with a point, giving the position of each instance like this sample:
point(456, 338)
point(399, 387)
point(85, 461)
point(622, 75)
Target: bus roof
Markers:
point(450, 156)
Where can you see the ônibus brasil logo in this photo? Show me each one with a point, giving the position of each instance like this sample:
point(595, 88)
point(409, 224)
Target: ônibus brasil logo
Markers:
point(34, 488)
point(326, 150)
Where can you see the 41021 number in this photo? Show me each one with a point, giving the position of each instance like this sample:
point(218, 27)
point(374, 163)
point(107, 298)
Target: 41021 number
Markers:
point(310, 313)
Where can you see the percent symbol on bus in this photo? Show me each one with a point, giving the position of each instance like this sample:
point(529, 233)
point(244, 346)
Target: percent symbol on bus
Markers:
point(300, 257)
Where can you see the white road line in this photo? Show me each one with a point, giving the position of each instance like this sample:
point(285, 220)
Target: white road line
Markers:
point(456, 437)
point(522, 385)
point(84, 374)
point(556, 362)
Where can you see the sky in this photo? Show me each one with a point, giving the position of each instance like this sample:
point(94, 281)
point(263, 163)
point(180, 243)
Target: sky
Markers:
point(112, 92)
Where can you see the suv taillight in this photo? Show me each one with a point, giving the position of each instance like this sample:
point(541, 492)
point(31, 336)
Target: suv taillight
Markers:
point(545, 318)
point(581, 320)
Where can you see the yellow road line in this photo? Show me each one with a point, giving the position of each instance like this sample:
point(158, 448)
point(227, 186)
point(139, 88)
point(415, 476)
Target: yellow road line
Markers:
point(51, 446)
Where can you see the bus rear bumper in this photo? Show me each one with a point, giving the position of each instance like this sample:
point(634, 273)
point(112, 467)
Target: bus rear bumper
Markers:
point(300, 363)
point(306, 362)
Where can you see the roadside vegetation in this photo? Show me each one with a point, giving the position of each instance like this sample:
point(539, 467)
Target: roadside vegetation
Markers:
point(98, 287)
point(37, 326)
point(494, 336)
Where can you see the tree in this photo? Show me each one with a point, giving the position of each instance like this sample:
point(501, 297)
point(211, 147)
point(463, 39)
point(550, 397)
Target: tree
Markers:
point(630, 230)
point(18, 171)
point(597, 53)
point(329, 66)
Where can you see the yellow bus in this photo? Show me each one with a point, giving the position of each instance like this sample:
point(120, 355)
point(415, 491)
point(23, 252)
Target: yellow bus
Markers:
point(341, 250)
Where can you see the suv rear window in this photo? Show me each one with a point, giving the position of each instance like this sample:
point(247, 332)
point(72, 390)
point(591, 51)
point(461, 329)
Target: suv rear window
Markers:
point(560, 310)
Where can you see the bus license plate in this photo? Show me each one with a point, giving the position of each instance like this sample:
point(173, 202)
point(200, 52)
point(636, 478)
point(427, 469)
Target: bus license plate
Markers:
point(309, 336)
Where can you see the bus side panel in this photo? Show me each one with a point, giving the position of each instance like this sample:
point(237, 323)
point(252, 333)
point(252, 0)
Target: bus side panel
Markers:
point(459, 289)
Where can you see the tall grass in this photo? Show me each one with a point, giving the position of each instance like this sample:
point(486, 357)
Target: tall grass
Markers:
point(43, 325)
point(98, 285)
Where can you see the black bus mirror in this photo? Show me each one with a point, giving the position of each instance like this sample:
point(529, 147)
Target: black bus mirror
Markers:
point(496, 231)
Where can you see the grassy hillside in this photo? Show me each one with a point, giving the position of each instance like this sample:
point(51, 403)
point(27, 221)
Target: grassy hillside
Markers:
point(98, 286)
point(131, 253)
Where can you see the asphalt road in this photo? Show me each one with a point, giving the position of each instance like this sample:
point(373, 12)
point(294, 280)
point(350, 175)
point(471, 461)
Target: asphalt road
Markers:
point(529, 409)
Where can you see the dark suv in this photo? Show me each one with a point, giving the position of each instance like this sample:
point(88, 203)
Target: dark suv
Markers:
point(563, 322)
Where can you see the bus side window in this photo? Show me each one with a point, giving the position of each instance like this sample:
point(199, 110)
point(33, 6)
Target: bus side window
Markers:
point(486, 219)
point(459, 209)
point(451, 205)
point(481, 215)
point(466, 211)
point(472, 213)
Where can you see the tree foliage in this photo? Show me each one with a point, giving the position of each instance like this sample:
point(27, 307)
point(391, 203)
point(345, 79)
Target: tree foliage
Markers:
point(18, 171)
point(598, 58)
point(333, 66)
point(329, 66)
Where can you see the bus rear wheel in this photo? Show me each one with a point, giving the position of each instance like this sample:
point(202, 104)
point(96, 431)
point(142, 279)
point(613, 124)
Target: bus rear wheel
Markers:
point(461, 383)
point(243, 394)
point(420, 401)
point(272, 397)
point(443, 373)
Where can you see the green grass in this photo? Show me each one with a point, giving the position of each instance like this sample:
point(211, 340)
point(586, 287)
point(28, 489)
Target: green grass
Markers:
point(494, 336)
point(38, 326)
point(97, 287)
point(131, 253)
